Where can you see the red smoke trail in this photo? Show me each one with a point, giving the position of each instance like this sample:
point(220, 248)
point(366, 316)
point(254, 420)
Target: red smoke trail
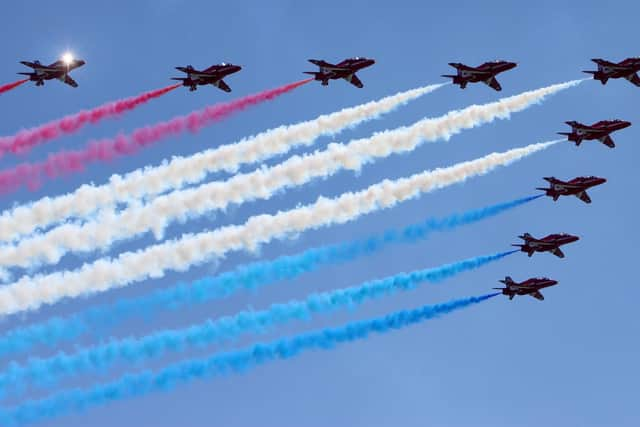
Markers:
point(10, 86)
point(28, 138)
point(66, 162)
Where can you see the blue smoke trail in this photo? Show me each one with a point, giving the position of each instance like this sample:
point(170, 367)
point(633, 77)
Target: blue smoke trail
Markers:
point(134, 385)
point(249, 276)
point(101, 357)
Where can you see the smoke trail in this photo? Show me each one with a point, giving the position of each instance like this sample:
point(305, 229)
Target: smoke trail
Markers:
point(132, 350)
point(134, 385)
point(28, 138)
point(260, 184)
point(65, 162)
point(181, 171)
point(179, 255)
point(9, 86)
point(248, 276)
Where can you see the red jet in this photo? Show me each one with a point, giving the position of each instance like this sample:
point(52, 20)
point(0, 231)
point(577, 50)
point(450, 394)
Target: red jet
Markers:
point(576, 187)
point(210, 76)
point(58, 70)
point(551, 243)
point(485, 73)
point(528, 287)
point(343, 70)
point(609, 70)
point(599, 131)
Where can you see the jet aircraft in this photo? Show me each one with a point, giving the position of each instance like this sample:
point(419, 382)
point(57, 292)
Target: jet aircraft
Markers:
point(576, 187)
point(550, 243)
point(485, 73)
point(58, 70)
point(626, 69)
point(528, 287)
point(599, 130)
point(209, 76)
point(342, 70)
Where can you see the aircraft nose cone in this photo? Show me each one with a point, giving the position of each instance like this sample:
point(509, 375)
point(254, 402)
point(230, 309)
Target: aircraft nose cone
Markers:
point(570, 238)
point(601, 180)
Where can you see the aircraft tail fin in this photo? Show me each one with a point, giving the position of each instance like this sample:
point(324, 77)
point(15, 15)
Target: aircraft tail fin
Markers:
point(525, 236)
point(186, 69)
point(456, 80)
point(320, 76)
point(507, 280)
point(598, 75)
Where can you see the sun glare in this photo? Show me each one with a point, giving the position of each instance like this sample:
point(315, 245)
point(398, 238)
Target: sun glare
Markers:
point(67, 58)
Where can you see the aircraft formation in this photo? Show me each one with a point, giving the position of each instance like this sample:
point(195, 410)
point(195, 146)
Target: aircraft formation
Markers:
point(485, 73)
point(168, 199)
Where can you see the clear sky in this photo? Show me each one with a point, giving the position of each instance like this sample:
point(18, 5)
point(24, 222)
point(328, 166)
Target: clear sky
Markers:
point(568, 361)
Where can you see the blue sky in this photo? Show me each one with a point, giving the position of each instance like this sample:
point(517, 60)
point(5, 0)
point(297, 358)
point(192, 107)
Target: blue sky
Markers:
point(568, 361)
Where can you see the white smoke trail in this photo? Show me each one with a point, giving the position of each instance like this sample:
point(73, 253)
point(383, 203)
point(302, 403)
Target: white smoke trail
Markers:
point(262, 183)
point(179, 255)
point(181, 171)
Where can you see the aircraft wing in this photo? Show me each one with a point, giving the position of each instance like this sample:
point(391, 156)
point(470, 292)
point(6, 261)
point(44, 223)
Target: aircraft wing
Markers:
point(325, 65)
point(584, 197)
point(537, 295)
point(68, 80)
point(459, 66)
point(31, 64)
point(220, 84)
point(493, 84)
point(186, 69)
point(557, 252)
point(58, 64)
point(603, 62)
point(633, 78)
point(354, 80)
point(607, 141)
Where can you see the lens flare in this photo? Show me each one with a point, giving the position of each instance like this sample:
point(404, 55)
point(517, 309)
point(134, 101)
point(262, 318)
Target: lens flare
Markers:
point(67, 58)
